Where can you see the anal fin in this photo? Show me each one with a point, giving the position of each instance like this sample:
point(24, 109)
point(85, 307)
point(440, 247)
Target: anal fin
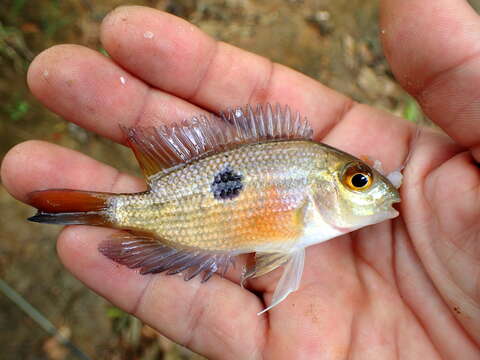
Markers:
point(151, 256)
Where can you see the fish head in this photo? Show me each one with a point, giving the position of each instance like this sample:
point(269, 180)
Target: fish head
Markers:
point(349, 194)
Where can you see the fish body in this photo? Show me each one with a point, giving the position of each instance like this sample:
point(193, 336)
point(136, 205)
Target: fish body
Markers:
point(268, 186)
point(252, 182)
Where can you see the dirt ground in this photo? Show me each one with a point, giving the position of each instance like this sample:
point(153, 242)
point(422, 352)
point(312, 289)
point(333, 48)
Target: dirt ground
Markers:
point(334, 41)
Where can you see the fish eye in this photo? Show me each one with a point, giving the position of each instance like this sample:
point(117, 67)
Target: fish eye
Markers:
point(357, 177)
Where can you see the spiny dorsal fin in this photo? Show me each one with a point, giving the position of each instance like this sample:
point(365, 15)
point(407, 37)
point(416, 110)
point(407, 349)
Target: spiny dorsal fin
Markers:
point(161, 148)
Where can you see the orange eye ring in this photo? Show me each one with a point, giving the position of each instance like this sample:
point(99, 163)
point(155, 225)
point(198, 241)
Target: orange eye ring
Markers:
point(357, 177)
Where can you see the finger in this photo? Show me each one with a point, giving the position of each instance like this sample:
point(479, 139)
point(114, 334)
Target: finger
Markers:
point(89, 89)
point(188, 312)
point(177, 57)
point(433, 48)
point(38, 165)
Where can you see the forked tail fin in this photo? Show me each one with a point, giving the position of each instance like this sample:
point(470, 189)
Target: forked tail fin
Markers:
point(70, 207)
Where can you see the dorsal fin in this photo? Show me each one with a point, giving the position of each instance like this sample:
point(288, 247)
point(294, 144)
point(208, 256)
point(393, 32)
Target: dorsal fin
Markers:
point(161, 148)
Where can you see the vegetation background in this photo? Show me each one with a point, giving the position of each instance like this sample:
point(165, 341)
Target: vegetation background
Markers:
point(334, 41)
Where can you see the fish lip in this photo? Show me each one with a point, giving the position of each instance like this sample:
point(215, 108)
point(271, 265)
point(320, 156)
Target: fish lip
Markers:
point(394, 212)
point(391, 209)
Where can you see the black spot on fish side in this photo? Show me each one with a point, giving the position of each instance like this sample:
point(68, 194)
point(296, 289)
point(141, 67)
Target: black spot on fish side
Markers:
point(226, 184)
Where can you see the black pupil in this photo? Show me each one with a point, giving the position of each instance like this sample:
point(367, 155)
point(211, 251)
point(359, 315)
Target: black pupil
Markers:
point(359, 180)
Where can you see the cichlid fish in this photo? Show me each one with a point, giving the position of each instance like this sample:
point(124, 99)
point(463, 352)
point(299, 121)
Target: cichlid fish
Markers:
point(252, 181)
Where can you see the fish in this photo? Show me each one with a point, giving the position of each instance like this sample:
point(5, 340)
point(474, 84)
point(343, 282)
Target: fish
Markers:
point(249, 181)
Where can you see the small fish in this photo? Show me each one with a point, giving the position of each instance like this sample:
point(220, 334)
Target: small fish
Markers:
point(252, 181)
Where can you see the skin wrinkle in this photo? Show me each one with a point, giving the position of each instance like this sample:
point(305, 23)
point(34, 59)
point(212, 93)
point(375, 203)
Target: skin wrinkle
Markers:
point(363, 292)
point(440, 295)
point(358, 256)
point(116, 179)
point(395, 336)
point(141, 113)
point(435, 77)
point(424, 93)
point(138, 304)
point(261, 90)
point(394, 250)
point(194, 320)
point(398, 290)
point(433, 171)
point(348, 107)
point(398, 280)
point(212, 55)
point(199, 307)
point(450, 271)
point(353, 327)
point(477, 285)
point(262, 330)
point(459, 244)
point(420, 178)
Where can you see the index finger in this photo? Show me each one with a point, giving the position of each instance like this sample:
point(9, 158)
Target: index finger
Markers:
point(177, 57)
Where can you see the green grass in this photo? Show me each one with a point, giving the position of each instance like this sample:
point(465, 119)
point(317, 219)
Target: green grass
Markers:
point(412, 111)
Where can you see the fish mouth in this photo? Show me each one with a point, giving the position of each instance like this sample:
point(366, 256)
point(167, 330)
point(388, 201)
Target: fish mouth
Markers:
point(390, 210)
point(392, 213)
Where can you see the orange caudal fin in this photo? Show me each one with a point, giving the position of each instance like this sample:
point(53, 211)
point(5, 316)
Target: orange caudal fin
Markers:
point(69, 207)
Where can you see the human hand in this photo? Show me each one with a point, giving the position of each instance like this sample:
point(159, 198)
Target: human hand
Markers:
point(402, 288)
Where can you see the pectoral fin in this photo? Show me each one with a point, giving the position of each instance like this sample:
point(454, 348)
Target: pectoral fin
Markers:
point(263, 264)
point(292, 273)
point(290, 280)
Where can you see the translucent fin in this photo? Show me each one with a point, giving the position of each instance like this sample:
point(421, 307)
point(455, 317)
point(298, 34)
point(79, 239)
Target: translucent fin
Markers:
point(263, 264)
point(290, 280)
point(165, 147)
point(151, 256)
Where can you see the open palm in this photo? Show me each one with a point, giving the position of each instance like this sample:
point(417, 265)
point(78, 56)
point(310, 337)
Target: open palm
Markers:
point(404, 288)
